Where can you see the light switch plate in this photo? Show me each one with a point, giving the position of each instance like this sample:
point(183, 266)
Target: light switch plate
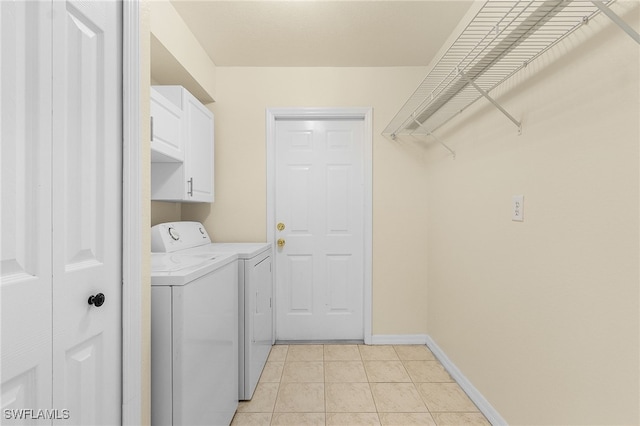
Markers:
point(517, 208)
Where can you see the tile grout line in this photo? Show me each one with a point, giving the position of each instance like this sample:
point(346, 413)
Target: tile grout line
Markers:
point(324, 385)
point(273, 410)
point(325, 361)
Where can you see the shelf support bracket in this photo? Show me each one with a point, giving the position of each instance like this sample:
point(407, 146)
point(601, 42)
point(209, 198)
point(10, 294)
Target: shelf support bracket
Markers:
point(490, 99)
point(617, 20)
point(436, 138)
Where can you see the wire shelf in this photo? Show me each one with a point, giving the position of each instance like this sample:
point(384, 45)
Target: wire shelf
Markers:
point(502, 38)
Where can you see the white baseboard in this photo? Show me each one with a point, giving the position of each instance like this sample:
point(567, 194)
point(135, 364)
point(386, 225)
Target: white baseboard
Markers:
point(423, 339)
point(399, 339)
point(483, 405)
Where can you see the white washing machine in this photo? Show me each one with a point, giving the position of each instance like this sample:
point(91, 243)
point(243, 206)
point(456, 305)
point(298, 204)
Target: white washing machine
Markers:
point(255, 295)
point(194, 338)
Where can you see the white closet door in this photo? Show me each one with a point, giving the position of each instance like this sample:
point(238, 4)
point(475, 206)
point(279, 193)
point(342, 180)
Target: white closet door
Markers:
point(87, 141)
point(25, 272)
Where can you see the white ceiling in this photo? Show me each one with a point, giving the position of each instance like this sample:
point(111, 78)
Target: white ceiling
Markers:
point(332, 33)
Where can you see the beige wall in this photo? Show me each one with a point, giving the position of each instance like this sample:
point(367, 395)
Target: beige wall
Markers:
point(399, 197)
point(177, 56)
point(162, 211)
point(543, 316)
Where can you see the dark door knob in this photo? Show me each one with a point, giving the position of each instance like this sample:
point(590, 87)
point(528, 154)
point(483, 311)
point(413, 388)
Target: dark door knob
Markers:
point(97, 300)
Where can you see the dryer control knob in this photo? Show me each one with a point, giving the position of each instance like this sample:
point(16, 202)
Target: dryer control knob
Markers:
point(174, 234)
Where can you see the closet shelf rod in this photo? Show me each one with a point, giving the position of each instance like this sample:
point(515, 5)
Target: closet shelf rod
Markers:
point(617, 20)
point(500, 38)
point(490, 99)
point(436, 138)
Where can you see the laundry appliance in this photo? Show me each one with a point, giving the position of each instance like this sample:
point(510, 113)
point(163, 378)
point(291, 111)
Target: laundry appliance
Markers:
point(255, 294)
point(194, 337)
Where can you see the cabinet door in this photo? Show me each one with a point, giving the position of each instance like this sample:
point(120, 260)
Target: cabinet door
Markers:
point(166, 137)
point(199, 162)
point(190, 180)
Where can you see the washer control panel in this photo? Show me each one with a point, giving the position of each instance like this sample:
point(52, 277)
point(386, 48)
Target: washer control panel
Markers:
point(172, 236)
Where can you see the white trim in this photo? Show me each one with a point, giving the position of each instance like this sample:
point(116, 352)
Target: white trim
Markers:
point(272, 114)
point(474, 394)
point(399, 339)
point(131, 217)
point(368, 225)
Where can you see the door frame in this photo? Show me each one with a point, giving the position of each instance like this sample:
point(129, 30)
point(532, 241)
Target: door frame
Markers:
point(366, 114)
point(133, 260)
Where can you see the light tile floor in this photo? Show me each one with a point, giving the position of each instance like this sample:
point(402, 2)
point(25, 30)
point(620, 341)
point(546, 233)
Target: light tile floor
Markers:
point(356, 385)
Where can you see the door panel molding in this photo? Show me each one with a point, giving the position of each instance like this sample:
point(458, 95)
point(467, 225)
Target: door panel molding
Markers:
point(366, 114)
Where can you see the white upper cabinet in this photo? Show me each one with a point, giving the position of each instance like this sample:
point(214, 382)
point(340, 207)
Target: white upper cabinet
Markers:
point(182, 169)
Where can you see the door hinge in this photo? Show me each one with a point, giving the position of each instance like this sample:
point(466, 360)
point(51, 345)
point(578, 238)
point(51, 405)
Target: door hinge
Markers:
point(151, 119)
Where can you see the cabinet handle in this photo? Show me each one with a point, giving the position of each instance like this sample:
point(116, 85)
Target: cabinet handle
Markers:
point(151, 128)
point(190, 192)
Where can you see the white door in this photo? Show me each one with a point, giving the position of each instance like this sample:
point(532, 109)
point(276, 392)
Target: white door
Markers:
point(319, 199)
point(68, 186)
point(87, 176)
point(25, 271)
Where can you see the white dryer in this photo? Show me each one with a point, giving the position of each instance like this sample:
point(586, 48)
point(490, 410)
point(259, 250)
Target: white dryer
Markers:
point(255, 296)
point(256, 334)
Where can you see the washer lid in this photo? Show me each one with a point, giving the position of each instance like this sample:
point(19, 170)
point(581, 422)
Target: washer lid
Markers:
point(161, 262)
point(181, 269)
